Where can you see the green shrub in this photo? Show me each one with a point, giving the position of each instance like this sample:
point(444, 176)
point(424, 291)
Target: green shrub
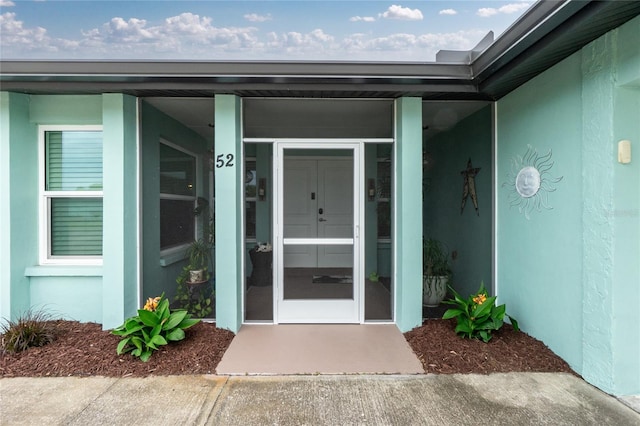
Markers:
point(32, 329)
point(154, 326)
point(477, 316)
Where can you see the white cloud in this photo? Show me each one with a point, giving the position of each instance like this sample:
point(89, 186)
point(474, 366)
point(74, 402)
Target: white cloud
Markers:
point(402, 13)
point(362, 19)
point(486, 12)
point(190, 36)
point(510, 8)
point(6, 3)
point(409, 47)
point(254, 17)
point(447, 12)
point(183, 36)
point(22, 40)
point(298, 45)
point(131, 31)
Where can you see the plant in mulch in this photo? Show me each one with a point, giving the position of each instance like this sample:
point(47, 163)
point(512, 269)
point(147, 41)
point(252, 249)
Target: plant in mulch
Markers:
point(477, 316)
point(154, 326)
point(31, 329)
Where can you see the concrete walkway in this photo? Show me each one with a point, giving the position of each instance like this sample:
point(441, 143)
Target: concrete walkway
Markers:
point(287, 349)
point(498, 399)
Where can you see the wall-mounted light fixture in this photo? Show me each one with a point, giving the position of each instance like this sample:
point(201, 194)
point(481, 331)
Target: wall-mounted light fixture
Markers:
point(624, 152)
point(262, 189)
point(371, 189)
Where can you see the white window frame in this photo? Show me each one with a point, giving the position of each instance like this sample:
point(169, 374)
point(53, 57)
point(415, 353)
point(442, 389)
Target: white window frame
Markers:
point(46, 258)
point(181, 249)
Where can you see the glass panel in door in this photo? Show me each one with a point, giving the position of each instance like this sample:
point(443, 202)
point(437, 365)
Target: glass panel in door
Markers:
point(318, 245)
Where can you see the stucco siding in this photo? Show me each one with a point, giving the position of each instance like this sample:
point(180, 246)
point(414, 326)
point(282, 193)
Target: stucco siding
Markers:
point(568, 272)
point(539, 262)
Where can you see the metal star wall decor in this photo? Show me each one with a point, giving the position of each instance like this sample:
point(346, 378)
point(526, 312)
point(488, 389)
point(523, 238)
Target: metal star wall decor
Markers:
point(469, 188)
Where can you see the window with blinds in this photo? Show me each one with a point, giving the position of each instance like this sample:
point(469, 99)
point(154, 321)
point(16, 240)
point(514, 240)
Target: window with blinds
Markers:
point(72, 193)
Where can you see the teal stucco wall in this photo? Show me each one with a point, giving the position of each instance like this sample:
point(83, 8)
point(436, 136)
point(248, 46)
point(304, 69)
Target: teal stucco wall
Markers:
point(466, 233)
point(53, 289)
point(71, 291)
point(228, 208)
point(408, 213)
point(120, 289)
point(568, 271)
point(18, 202)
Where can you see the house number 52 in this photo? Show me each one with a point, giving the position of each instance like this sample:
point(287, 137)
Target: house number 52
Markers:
point(224, 160)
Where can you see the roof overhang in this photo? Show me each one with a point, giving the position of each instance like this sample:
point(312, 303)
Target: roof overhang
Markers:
point(549, 32)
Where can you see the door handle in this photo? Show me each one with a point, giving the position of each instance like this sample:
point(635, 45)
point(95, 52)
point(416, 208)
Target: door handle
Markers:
point(322, 220)
point(320, 211)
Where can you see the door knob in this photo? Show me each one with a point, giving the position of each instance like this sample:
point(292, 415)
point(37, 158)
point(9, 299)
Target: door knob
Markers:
point(322, 220)
point(320, 211)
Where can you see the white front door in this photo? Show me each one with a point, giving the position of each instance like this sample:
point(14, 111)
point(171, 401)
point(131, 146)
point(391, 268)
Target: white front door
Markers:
point(318, 203)
point(317, 248)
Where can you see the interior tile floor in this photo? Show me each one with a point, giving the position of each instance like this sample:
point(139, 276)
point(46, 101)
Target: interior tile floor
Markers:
point(319, 349)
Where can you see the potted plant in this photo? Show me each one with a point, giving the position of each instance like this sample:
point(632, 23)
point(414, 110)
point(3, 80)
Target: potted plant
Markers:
point(194, 292)
point(436, 272)
point(199, 254)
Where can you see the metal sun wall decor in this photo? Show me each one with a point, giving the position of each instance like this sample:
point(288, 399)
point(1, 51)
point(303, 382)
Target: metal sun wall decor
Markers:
point(469, 187)
point(530, 182)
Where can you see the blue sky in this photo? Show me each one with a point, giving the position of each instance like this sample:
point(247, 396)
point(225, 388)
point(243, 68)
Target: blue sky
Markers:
point(249, 30)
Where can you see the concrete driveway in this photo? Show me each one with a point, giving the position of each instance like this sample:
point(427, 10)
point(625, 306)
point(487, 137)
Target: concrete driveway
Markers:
point(497, 399)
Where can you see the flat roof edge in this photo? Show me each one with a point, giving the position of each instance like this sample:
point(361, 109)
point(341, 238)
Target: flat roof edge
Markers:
point(246, 69)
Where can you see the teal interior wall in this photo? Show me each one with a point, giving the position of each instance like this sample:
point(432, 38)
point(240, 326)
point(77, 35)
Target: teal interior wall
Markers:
point(159, 274)
point(371, 213)
point(466, 233)
point(263, 207)
point(568, 273)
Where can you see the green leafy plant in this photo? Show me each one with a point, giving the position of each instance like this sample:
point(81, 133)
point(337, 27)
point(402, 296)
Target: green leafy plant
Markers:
point(199, 253)
point(435, 258)
point(154, 326)
point(31, 329)
point(477, 316)
point(200, 306)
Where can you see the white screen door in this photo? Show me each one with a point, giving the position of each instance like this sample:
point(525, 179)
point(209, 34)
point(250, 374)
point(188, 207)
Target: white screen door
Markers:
point(317, 242)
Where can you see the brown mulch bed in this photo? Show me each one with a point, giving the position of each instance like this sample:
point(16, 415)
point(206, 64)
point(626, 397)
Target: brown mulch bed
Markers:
point(441, 351)
point(84, 349)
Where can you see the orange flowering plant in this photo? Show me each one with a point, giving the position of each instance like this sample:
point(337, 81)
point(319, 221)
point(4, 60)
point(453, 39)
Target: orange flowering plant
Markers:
point(478, 315)
point(155, 325)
